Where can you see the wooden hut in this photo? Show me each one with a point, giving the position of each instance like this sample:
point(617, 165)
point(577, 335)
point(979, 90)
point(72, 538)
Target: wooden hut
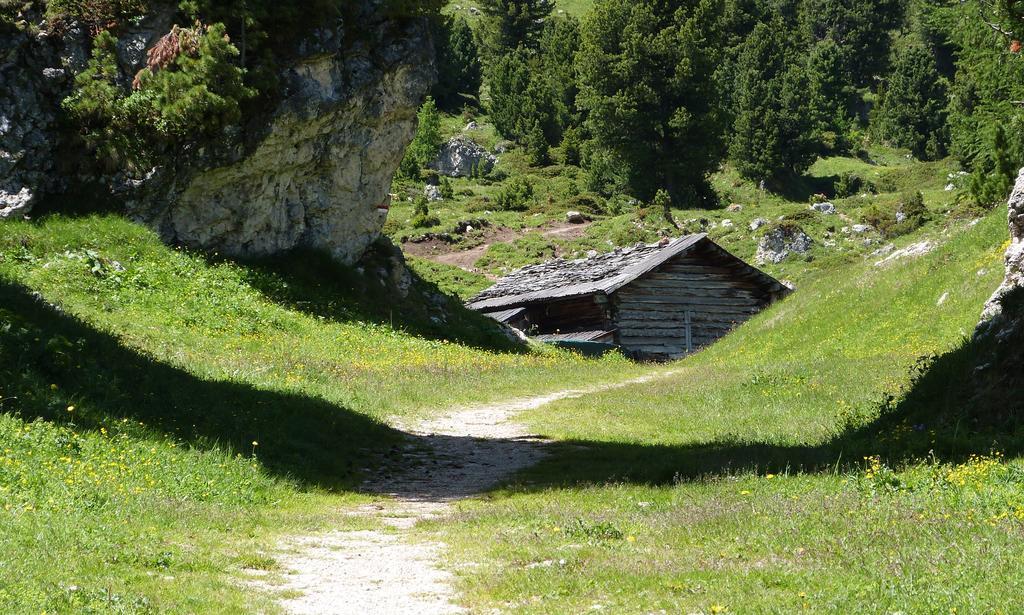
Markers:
point(656, 302)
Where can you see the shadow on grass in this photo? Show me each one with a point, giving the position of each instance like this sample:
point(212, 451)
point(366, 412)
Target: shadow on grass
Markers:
point(801, 189)
point(314, 283)
point(946, 416)
point(302, 438)
point(318, 443)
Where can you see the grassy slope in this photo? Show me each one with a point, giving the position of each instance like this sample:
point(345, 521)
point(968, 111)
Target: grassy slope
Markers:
point(173, 413)
point(740, 484)
point(618, 223)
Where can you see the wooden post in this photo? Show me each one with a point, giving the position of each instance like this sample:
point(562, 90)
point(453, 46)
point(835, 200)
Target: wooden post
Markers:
point(689, 337)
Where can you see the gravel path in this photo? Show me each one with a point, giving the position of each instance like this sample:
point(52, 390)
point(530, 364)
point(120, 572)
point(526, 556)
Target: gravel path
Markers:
point(455, 456)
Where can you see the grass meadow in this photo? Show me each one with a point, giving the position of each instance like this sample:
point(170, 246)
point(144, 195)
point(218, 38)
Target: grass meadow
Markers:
point(165, 415)
point(826, 457)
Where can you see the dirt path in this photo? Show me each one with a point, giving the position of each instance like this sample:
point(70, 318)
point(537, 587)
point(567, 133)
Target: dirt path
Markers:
point(455, 456)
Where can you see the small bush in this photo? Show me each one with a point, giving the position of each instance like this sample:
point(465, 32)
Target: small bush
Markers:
point(906, 217)
point(96, 14)
point(516, 195)
point(800, 216)
point(187, 94)
point(421, 221)
point(587, 203)
point(572, 147)
point(537, 149)
point(447, 191)
point(849, 184)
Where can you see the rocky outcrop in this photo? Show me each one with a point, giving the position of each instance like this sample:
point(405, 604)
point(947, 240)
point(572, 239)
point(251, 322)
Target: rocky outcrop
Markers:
point(313, 171)
point(461, 156)
point(1003, 314)
point(320, 175)
point(999, 374)
point(781, 241)
point(35, 70)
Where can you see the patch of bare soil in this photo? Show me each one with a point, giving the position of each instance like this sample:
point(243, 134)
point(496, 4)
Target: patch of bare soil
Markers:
point(448, 254)
point(458, 455)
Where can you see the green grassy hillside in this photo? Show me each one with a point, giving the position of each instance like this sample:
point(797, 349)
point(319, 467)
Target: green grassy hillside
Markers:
point(163, 415)
point(883, 179)
point(824, 457)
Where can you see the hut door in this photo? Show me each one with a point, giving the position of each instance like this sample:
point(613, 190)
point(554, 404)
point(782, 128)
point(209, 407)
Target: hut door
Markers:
point(689, 333)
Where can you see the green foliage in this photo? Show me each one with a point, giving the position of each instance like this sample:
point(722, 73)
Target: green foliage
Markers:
point(832, 96)
point(647, 84)
point(662, 203)
point(522, 96)
point(907, 216)
point(96, 14)
point(572, 146)
point(849, 184)
point(559, 44)
point(507, 25)
point(459, 71)
point(193, 97)
point(912, 112)
point(516, 195)
point(447, 190)
point(860, 31)
point(427, 142)
point(537, 150)
point(986, 125)
point(424, 220)
point(197, 93)
point(773, 134)
point(995, 170)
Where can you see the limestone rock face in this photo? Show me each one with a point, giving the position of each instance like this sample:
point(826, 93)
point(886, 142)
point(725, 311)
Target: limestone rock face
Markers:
point(780, 242)
point(999, 372)
point(35, 70)
point(313, 170)
point(1003, 314)
point(320, 175)
point(460, 155)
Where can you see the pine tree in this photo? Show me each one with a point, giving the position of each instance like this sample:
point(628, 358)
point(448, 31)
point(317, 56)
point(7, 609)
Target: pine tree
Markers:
point(647, 82)
point(537, 149)
point(458, 63)
point(559, 45)
point(427, 142)
point(831, 95)
point(509, 24)
point(773, 131)
point(861, 29)
point(994, 171)
point(913, 106)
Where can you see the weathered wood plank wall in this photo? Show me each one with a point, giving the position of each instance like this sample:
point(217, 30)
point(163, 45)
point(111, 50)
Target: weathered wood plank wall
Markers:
point(687, 303)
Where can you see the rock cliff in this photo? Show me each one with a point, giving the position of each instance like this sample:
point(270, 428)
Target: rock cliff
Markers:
point(314, 170)
point(1002, 325)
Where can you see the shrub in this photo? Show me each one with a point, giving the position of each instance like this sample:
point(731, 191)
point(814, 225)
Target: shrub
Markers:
point(849, 184)
point(516, 195)
point(447, 191)
point(572, 147)
point(537, 150)
point(427, 142)
point(96, 14)
point(906, 217)
point(190, 91)
point(587, 203)
point(423, 219)
point(802, 215)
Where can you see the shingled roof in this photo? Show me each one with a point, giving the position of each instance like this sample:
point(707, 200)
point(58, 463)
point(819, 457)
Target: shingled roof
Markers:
point(602, 273)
